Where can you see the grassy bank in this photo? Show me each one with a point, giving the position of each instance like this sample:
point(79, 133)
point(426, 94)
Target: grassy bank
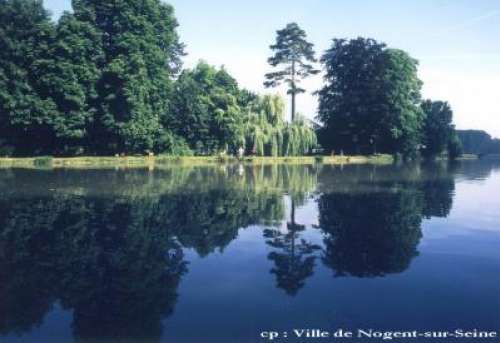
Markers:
point(158, 161)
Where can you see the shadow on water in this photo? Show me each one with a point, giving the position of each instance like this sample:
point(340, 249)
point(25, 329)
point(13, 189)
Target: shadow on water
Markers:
point(110, 245)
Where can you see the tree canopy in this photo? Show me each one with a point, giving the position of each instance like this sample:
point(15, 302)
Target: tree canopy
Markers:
point(212, 114)
point(371, 103)
point(27, 113)
point(438, 128)
point(142, 54)
point(206, 110)
point(98, 81)
point(70, 78)
point(370, 100)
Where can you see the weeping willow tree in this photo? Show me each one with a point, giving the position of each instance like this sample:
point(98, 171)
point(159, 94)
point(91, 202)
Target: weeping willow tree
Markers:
point(298, 138)
point(268, 134)
point(213, 115)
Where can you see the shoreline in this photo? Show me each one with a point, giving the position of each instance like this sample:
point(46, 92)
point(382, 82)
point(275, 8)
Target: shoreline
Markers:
point(99, 162)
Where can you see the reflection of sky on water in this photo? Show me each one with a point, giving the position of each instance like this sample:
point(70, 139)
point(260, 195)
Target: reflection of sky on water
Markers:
point(474, 218)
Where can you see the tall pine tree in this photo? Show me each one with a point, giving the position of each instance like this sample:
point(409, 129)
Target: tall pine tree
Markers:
point(295, 54)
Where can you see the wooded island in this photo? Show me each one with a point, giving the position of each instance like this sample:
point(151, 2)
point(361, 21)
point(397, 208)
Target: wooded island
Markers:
point(107, 79)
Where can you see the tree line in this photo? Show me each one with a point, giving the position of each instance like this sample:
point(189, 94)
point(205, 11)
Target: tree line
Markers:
point(478, 142)
point(107, 79)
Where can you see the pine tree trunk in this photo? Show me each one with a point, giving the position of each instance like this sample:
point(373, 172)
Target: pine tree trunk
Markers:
point(293, 91)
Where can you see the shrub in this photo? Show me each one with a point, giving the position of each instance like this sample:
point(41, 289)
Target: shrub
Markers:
point(169, 144)
point(43, 161)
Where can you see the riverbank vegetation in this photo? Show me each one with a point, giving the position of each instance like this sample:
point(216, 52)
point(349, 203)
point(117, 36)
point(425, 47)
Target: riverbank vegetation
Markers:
point(107, 80)
point(169, 160)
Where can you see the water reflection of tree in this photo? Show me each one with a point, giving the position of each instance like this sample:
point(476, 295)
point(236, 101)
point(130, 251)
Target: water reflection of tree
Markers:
point(370, 234)
point(115, 262)
point(109, 247)
point(129, 266)
point(115, 258)
point(209, 221)
point(26, 285)
point(372, 222)
point(294, 257)
point(107, 260)
point(438, 186)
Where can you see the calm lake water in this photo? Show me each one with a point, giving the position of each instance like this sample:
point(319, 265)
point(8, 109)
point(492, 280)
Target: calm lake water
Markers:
point(221, 254)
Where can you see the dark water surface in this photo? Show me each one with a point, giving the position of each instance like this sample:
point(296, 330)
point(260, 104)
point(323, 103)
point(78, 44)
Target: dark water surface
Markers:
point(221, 254)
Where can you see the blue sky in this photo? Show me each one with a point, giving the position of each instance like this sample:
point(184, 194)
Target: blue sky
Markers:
point(456, 41)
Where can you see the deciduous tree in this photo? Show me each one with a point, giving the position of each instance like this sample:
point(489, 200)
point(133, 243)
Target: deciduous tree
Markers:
point(370, 100)
point(27, 113)
point(142, 54)
point(438, 127)
point(70, 78)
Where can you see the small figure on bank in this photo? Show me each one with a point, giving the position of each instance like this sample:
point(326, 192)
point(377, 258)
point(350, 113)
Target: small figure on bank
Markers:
point(241, 152)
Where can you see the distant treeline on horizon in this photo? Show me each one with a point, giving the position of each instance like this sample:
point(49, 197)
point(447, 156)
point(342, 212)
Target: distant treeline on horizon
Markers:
point(478, 142)
point(107, 78)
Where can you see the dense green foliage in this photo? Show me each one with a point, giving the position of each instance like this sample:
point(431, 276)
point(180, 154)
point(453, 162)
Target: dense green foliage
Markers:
point(478, 142)
point(439, 131)
point(142, 54)
point(437, 127)
point(27, 114)
point(206, 112)
point(295, 54)
point(95, 82)
point(268, 134)
point(70, 79)
point(371, 103)
point(106, 79)
point(213, 114)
